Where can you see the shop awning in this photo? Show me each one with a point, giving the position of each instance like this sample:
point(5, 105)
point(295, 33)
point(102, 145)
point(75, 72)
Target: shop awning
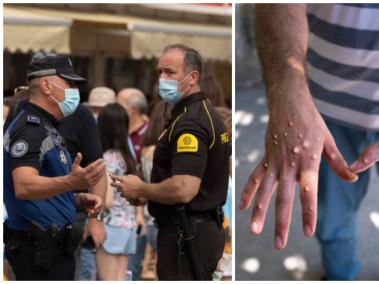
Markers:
point(25, 31)
point(64, 31)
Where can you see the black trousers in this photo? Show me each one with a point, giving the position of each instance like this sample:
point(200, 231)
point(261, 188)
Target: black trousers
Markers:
point(20, 254)
point(209, 246)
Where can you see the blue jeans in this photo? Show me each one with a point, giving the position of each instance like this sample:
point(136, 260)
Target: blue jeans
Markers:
point(338, 203)
point(87, 266)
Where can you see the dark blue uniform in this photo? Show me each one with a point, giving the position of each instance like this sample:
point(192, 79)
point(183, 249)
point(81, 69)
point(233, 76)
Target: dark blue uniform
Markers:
point(32, 140)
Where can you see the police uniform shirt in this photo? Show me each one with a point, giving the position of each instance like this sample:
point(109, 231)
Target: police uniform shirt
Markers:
point(32, 140)
point(195, 143)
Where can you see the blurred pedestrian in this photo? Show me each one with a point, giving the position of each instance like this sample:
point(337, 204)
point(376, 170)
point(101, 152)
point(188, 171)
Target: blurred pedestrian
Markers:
point(212, 87)
point(98, 98)
point(120, 219)
point(135, 103)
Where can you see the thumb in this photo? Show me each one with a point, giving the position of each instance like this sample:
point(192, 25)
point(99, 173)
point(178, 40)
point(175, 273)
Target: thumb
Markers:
point(77, 160)
point(336, 160)
point(366, 159)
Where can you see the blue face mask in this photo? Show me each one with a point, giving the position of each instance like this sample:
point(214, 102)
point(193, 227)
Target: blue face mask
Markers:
point(70, 102)
point(168, 90)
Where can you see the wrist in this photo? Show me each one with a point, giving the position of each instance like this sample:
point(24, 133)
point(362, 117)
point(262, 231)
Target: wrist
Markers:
point(96, 218)
point(144, 190)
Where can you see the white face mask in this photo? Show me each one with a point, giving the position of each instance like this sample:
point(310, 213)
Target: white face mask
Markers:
point(70, 102)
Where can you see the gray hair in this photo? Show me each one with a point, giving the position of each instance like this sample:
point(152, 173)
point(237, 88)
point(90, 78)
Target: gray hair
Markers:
point(135, 98)
point(192, 58)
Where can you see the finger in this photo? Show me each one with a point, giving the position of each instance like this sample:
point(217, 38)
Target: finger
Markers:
point(91, 167)
point(78, 160)
point(308, 198)
point(337, 162)
point(283, 208)
point(95, 171)
point(252, 186)
point(366, 159)
point(117, 178)
point(98, 205)
point(97, 174)
point(262, 201)
point(117, 185)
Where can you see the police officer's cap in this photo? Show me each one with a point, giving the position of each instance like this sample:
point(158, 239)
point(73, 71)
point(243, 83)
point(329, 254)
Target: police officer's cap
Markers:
point(52, 65)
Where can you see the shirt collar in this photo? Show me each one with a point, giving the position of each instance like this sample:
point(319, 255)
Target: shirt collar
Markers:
point(43, 113)
point(179, 107)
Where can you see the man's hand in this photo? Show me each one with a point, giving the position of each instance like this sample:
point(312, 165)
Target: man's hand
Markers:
point(297, 135)
point(95, 228)
point(295, 140)
point(83, 178)
point(129, 186)
point(90, 202)
point(366, 159)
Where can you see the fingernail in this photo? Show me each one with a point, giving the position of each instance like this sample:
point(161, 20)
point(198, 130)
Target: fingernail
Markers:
point(254, 227)
point(278, 242)
point(307, 231)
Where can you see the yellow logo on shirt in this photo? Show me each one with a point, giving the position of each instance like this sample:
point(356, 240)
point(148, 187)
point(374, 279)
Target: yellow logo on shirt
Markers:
point(224, 138)
point(187, 143)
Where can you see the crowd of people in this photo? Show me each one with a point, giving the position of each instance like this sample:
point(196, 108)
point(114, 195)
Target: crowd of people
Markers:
point(121, 131)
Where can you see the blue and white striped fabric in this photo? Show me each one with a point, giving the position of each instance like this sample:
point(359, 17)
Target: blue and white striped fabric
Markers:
point(343, 62)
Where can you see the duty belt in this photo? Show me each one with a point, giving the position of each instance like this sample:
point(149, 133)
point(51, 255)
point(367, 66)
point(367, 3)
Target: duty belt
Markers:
point(173, 220)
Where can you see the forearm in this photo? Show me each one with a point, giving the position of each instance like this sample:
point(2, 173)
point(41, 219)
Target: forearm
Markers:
point(100, 188)
point(282, 36)
point(40, 187)
point(169, 191)
point(139, 212)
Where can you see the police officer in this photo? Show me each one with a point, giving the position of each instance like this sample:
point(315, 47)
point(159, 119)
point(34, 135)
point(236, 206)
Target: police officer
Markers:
point(39, 178)
point(190, 167)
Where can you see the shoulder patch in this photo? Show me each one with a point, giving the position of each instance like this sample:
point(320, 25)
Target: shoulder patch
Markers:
point(19, 149)
point(187, 143)
point(224, 138)
point(33, 119)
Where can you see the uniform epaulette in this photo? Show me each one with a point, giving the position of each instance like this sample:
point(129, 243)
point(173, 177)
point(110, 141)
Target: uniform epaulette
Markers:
point(33, 119)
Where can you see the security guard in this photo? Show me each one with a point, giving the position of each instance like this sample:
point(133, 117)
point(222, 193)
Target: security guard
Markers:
point(39, 178)
point(190, 167)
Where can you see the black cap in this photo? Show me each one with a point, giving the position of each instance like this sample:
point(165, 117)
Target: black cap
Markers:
point(52, 65)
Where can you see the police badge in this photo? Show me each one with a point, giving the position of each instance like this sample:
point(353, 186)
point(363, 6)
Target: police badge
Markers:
point(63, 157)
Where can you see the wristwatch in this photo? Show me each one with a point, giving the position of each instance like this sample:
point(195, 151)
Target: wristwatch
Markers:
point(99, 216)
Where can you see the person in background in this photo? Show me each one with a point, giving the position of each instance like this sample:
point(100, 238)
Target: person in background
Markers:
point(81, 135)
point(149, 142)
point(119, 219)
point(6, 106)
point(212, 87)
point(135, 103)
point(224, 267)
point(98, 98)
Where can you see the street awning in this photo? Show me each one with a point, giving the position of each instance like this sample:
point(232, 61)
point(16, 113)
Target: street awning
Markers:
point(25, 31)
point(68, 31)
point(149, 39)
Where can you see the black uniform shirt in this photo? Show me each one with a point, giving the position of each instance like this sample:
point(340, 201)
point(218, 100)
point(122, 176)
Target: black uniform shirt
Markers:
point(195, 142)
point(82, 135)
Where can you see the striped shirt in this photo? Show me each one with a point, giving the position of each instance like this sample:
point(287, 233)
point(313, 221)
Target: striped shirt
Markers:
point(343, 62)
